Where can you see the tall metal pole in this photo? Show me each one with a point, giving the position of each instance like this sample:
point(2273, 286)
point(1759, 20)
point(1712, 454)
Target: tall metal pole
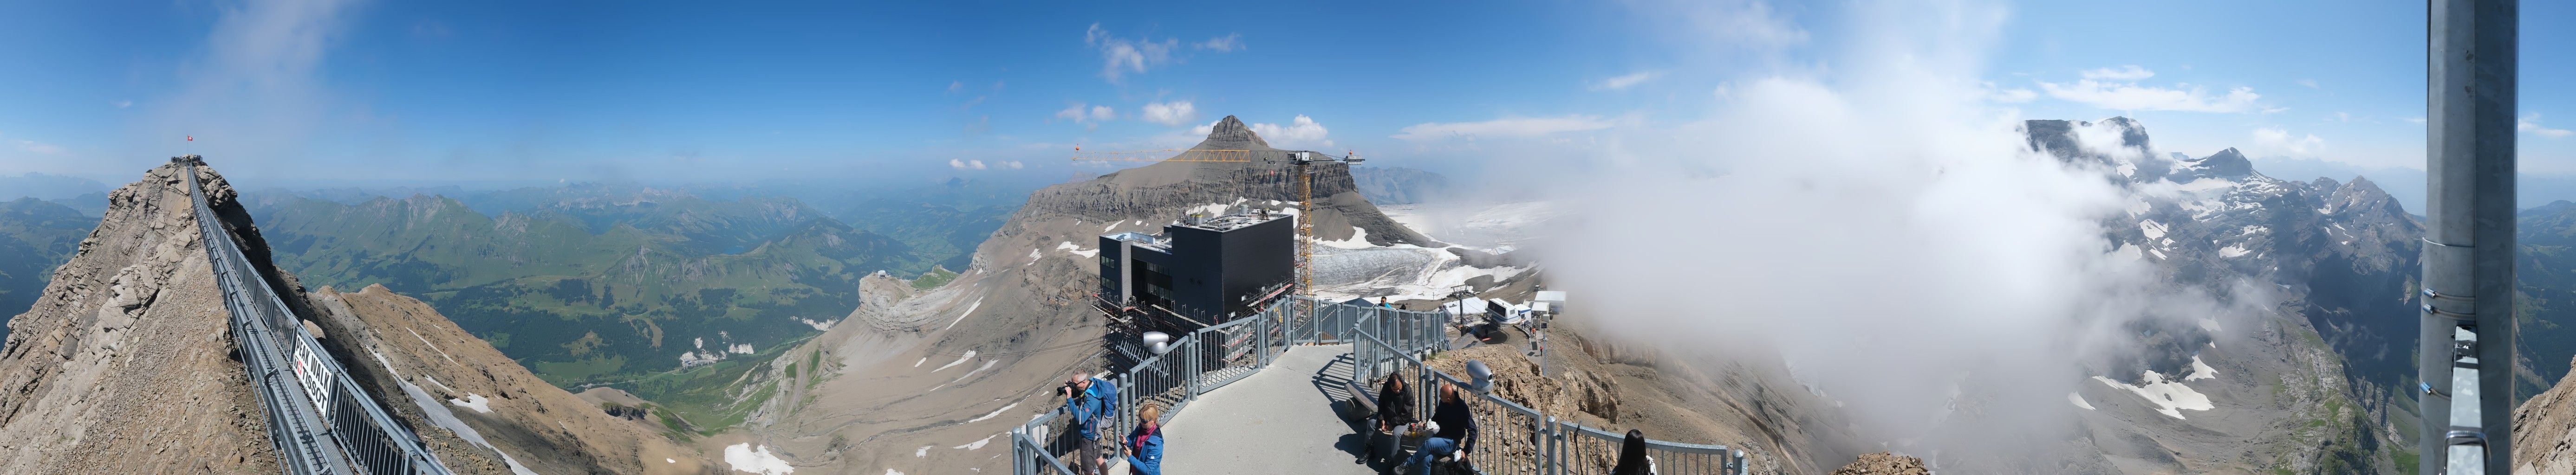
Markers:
point(2467, 340)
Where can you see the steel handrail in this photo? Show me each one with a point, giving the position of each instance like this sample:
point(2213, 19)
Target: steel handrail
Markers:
point(362, 441)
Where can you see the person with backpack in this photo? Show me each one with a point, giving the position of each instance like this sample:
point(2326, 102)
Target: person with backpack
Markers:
point(1145, 445)
point(1453, 434)
point(1090, 401)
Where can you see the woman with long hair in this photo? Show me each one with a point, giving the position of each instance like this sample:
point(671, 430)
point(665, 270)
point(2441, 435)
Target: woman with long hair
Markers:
point(1632, 456)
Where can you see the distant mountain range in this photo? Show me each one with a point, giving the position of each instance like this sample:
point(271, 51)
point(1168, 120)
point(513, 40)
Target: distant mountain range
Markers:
point(35, 237)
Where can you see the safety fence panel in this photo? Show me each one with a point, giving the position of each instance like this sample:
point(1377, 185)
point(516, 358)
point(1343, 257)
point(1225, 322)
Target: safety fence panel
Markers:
point(1029, 456)
point(1229, 352)
point(1514, 439)
point(1594, 451)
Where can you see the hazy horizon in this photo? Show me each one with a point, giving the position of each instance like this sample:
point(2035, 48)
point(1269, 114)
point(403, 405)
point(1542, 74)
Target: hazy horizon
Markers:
point(317, 92)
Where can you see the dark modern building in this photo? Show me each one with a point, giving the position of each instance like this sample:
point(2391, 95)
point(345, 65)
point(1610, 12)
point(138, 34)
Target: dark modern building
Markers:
point(1205, 271)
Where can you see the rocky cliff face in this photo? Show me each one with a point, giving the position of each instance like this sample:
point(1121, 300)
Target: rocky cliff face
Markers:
point(2543, 428)
point(125, 360)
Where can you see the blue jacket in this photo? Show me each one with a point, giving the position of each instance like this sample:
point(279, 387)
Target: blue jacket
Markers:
point(1097, 404)
point(1148, 450)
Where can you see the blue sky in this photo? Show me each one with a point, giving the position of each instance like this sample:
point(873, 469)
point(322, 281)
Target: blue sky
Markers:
point(666, 91)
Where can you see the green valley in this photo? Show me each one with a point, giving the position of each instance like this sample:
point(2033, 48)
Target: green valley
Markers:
point(35, 237)
point(661, 293)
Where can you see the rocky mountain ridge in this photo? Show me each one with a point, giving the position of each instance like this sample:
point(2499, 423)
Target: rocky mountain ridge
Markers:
point(126, 362)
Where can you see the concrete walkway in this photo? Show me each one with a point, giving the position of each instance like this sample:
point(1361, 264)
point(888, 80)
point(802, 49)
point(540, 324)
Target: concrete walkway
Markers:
point(1284, 419)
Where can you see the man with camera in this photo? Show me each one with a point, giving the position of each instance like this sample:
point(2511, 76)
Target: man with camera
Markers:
point(1091, 402)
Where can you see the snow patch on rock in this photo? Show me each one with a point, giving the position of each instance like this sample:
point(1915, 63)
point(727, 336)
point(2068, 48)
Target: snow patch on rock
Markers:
point(2233, 250)
point(2169, 397)
point(996, 412)
point(2200, 371)
point(473, 401)
point(970, 310)
point(976, 444)
point(744, 458)
point(970, 354)
point(1069, 247)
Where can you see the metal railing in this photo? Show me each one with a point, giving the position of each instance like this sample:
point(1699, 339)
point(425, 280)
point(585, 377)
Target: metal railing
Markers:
point(1202, 361)
point(1515, 439)
point(319, 420)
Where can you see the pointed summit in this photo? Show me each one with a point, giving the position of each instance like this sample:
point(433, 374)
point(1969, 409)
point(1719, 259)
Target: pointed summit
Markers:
point(2227, 162)
point(1230, 133)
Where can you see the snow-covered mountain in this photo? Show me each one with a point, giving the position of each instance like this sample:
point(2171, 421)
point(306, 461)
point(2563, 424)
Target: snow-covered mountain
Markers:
point(2304, 382)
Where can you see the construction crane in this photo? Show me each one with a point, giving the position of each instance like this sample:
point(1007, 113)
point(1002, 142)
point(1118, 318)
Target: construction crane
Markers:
point(1304, 161)
point(1306, 218)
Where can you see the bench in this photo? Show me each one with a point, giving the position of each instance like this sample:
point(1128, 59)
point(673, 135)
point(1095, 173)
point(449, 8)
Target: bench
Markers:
point(1363, 406)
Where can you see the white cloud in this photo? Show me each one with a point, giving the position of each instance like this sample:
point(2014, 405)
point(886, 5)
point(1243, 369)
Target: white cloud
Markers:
point(257, 83)
point(1622, 82)
point(1223, 44)
point(2310, 83)
point(2133, 97)
point(1172, 113)
point(2531, 123)
point(1735, 23)
point(1507, 127)
point(1015, 164)
point(1120, 56)
point(125, 103)
point(1081, 113)
point(2418, 120)
point(1303, 132)
point(966, 164)
point(2124, 73)
point(2278, 140)
point(956, 86)
point(39, 147)
point(2013, 96)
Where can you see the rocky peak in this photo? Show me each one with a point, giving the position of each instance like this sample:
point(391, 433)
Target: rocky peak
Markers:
point(1231, 134)
point(2225, 163)
point(2064, 139)
point(2132, 134)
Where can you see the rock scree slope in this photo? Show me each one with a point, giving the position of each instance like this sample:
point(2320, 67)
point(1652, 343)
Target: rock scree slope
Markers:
point(125, 360)
point(419, 360)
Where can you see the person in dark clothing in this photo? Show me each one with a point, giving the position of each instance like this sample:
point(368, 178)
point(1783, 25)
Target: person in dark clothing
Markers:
point(1632, 456)
point(1394, 404)
point(1456, 433)
point(1394, 412)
